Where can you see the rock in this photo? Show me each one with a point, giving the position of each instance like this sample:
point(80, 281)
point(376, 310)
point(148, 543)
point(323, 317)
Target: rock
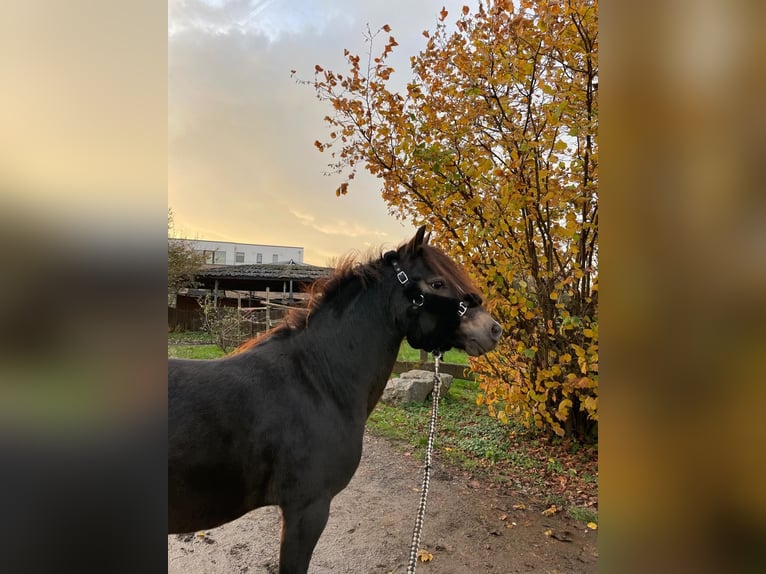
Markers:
point(413, 387)
point(420, 374)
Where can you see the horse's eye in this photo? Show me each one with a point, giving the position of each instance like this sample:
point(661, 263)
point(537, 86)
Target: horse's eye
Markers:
point(437, 284)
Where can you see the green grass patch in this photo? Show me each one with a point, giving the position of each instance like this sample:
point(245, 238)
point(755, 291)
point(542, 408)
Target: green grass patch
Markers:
point(195, 351)
point(465, 430)
point(407, 353)
point(189, 337)
point(582, 514)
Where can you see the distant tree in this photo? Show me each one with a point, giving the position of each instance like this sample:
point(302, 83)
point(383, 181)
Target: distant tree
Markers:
point(493, 143)
point(183, 262)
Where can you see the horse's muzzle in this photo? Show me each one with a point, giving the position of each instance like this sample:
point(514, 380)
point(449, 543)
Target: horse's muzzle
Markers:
point(480, 333)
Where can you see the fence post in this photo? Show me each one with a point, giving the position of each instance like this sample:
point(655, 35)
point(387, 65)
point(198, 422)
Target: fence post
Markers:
point(239, 316)
point(268, 310)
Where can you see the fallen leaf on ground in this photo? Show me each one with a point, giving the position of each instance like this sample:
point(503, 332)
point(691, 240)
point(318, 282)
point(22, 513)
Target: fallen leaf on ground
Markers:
point(550, 511)
point(519, 507)
point(425, 556)
point(592, 525)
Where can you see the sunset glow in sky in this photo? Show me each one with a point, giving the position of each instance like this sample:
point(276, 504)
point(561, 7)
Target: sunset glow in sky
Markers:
point(241, 161)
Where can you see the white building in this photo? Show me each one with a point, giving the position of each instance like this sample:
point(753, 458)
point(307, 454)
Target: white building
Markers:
point(230, 253)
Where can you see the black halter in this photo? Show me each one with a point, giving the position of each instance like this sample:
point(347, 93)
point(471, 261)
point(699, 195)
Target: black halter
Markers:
point(429, 302)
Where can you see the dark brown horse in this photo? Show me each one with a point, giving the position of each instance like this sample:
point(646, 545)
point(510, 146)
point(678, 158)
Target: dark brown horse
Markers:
point(281, 421)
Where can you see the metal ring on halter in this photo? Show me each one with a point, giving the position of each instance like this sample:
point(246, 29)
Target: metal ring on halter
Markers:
point(461, 308)
point(419, 300)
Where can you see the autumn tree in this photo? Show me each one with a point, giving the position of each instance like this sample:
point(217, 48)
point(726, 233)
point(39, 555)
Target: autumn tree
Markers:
point(493, 143)
point(183, 262)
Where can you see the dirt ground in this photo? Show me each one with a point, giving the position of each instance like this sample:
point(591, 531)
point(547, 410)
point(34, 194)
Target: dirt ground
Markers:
point(470, 527)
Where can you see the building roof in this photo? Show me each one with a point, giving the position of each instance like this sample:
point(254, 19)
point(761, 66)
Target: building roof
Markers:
point(256, 277)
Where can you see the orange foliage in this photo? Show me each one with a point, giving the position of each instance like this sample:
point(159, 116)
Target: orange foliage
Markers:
point(493, 143)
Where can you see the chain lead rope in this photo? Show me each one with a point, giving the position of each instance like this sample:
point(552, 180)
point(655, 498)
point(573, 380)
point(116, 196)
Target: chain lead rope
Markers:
point(426, 468)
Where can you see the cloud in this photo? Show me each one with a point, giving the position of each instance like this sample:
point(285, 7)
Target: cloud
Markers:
point(338, 227)
point(241, 160)
point(269, 18)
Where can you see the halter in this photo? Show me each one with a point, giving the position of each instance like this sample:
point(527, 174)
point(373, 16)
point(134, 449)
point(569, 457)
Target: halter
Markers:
point(429, 301)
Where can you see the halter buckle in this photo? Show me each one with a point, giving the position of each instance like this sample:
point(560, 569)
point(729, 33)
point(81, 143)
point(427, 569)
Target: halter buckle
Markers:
point(402, 277)
point(461, 308)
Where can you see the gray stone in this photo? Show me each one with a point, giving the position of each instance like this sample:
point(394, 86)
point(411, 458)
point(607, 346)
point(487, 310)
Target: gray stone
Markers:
point(413, 387)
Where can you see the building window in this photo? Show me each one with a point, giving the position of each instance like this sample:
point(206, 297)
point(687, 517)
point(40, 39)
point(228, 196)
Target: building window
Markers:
point(219, 258)
point(208, 256)
point(239, 256)
point(259, 257)
point(274, 258)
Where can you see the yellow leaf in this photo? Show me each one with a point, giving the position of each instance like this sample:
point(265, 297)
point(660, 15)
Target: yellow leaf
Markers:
point(425, 556)
point(554, 296)
point(592, 525)
point(548, 532)
point(563, 409)
point(550, 511)
point(519, 507)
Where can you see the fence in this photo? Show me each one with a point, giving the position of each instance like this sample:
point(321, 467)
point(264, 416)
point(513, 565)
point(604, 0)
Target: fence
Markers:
point(184, 319)
point(247, 322)
point(236, 324)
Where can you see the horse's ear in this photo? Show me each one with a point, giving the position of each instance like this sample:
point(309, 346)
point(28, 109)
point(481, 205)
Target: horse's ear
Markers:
point(416, 243)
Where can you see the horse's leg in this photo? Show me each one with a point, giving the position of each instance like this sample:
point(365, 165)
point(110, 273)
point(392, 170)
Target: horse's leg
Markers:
point(301, 529)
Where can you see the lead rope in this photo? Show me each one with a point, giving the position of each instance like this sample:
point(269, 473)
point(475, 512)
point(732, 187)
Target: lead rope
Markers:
point(426, 468)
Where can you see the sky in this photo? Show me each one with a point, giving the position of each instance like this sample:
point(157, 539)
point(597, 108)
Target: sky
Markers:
point(242, 166)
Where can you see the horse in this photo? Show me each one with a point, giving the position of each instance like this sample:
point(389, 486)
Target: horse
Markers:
point(281, 420)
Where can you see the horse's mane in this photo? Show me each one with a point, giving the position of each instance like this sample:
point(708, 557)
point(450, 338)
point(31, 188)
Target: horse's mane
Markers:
point(351, 268)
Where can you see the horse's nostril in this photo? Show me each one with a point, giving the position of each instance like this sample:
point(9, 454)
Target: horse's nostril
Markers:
point(496, 331)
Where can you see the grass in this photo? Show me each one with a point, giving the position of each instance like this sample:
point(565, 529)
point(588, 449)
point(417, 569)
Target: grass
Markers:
point(189, 337)
point(407, 353)
point(561, 472)
point(195, 351)
point(582, 514)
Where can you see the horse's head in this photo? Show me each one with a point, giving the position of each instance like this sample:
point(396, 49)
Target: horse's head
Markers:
point(443, 307)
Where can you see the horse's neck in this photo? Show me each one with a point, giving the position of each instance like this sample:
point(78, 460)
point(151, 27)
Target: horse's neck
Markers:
point(356, 346)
